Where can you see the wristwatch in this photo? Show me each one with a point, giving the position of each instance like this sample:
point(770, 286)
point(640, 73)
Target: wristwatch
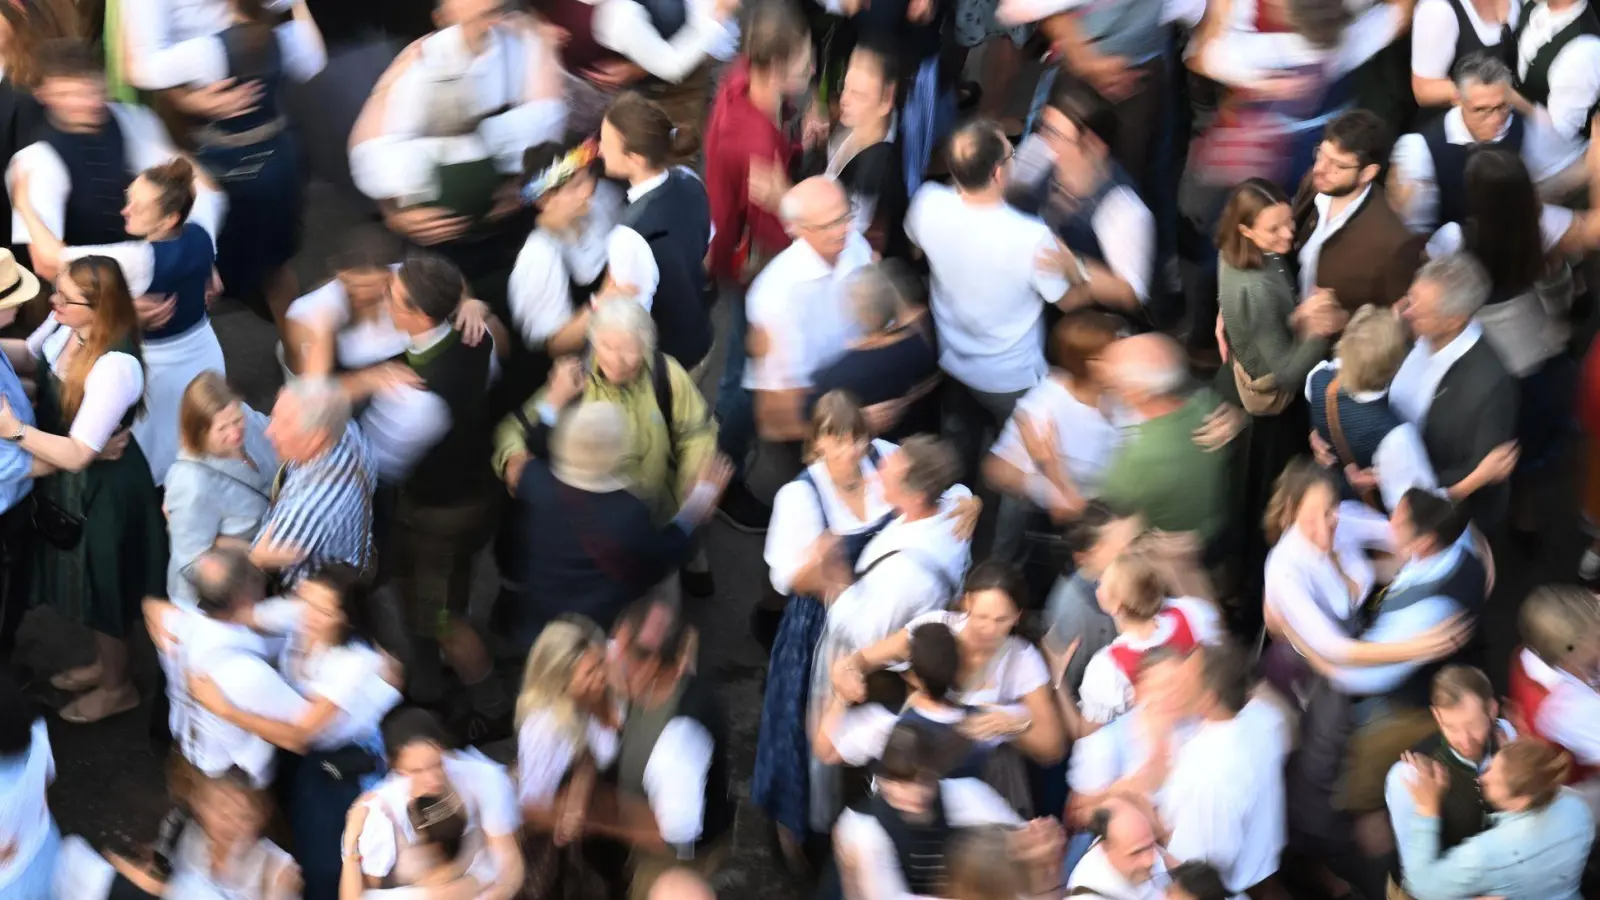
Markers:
point(22, 429)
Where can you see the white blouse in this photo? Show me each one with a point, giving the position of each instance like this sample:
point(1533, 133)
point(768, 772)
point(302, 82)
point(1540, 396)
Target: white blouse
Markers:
point(1016, 670)
point(114, 384)
point(545, 754)
point(1086, 438)
point(356, 345)
point(1106, 692)
point(24, 812)
point(485, 790)
point(1304, 586)
point(798, 520)
point(350, 677)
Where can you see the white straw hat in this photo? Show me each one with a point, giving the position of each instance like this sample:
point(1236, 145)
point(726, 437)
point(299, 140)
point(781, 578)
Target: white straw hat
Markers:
point(17, 284)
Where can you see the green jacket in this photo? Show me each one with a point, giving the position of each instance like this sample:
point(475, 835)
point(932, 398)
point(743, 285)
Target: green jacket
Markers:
point(648, 464)
point(1164, 476)
point(1256, 305)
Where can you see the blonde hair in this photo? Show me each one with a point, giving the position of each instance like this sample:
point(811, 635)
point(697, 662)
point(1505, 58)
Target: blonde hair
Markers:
point(1371, 350)
point(836, 414)
point(206, 395)
point(1556, 619)
point(547, 678)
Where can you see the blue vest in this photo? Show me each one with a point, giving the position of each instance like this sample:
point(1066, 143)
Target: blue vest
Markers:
point(182, 267)
point(1465, 585)
point(674, 218)
point(1450, 165)
point(98, 174)
point(968, 764)
point(1364, 425)
point(1074, 226)
point(667, 16)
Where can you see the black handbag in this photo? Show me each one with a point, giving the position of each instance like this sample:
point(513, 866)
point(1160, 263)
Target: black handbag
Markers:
point(61, 528)
point(347, 763)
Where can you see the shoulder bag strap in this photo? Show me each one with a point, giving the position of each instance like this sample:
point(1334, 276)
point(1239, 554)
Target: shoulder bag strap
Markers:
point(1336, 431)
point(661, 380)
point(233, 478)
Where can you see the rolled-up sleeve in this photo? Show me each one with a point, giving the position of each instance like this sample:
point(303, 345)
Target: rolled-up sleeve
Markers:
point(675, 782)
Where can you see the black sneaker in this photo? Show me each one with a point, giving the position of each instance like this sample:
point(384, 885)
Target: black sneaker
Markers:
point(742, 511)
point(697, 584)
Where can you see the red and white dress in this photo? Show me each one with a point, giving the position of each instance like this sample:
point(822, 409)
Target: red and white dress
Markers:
point(1107, 690)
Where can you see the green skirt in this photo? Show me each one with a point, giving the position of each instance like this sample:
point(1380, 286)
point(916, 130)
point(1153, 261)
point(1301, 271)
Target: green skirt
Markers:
point(122, 556)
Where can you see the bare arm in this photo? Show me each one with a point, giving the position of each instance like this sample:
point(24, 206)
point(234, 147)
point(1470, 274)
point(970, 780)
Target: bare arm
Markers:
point(1044, 740)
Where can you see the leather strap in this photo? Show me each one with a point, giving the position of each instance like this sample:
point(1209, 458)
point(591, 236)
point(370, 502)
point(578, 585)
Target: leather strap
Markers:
point(1330, 405)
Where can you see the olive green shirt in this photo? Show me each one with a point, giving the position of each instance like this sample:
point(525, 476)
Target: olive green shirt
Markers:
point(1161, 474)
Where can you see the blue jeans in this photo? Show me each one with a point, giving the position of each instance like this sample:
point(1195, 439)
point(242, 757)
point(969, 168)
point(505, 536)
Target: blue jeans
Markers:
point(736, 418)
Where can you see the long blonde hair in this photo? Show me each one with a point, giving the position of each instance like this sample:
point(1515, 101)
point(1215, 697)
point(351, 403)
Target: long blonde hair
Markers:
point(547, 679)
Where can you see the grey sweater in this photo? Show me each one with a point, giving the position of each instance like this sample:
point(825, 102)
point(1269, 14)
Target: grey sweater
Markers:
point(1256, 305)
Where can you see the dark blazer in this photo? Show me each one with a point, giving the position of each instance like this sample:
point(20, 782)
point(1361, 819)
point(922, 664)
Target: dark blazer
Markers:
point(1473, 411)
point(1370, 260)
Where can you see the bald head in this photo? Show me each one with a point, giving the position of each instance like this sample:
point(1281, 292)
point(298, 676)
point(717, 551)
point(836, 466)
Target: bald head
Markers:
point(977, 151)
point(1128, 838)
point(1146, 367)
point(813, 202)
point(681, 884)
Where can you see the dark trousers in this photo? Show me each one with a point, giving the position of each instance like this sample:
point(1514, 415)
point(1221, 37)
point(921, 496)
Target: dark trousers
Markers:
point(316, 803)
point(1140, 121)
point(16, 577)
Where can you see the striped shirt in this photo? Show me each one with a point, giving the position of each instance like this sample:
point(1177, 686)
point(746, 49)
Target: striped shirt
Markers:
point(324, 507)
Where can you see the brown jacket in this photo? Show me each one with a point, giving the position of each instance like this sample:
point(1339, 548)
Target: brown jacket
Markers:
point(1370, 260)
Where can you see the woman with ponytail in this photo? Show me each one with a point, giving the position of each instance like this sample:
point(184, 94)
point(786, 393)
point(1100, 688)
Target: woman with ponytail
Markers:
point(168, 268)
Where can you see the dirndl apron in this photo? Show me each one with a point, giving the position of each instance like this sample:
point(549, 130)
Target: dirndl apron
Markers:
point(170, 364)
point(780, 783)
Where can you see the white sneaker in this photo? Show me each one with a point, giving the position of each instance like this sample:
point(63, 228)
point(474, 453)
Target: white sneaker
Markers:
point(1589, 565)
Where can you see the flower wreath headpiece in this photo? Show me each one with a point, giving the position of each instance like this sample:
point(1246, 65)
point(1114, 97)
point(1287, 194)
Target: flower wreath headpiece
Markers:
point(561, 171)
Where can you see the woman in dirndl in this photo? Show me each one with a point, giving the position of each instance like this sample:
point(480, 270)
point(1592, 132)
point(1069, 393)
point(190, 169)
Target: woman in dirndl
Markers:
point(103, 546)
point(835, 502)
point(335, 750)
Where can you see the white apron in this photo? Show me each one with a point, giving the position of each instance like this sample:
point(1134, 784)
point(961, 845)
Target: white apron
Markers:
point(170, 364)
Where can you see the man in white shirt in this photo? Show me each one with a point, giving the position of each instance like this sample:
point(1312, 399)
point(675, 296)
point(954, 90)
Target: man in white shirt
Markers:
point(432, 441)
point(1558, 82)
point(1125, 862)
point(1065, 175)
point(1428, 171)
point(672, 792)
point(994, 269)
point(1223, 801)
point(512, 85)
point(896, 846)
point(216, 641)
point(420, 766)
point(798, 310)
point(171, 43)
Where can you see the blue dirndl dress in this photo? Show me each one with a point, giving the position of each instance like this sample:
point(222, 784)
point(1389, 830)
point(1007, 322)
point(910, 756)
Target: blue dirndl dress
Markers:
point(780, 783)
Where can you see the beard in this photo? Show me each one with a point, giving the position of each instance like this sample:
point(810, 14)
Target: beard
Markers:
point(1344, 190)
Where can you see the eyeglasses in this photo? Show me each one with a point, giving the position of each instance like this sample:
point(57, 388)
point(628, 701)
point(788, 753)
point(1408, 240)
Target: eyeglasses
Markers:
point(1498, 109)
point(1326, 155)
point(830, 224)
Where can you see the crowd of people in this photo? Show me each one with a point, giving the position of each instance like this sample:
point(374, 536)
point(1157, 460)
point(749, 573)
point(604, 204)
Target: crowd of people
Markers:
point(1217, 398)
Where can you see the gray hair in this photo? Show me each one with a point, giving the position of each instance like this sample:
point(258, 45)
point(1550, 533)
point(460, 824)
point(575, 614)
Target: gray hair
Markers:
point(932, 467)
point(321, 405)
point(626, 317)
point(1153, 379)
point(1480, 68)
point(874, 297)
point(1462, 281)
point(590, 440)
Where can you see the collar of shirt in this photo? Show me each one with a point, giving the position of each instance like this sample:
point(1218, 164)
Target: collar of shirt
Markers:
point(1548, 676)
point(1330, 226)
point(635, 191)
point(1505, 734)
point(1414, 386)
point(422, 343)
point(1543, 23)
point(449, 48)
point(1095, 872)
point(1455, 127)
point(1432, 567)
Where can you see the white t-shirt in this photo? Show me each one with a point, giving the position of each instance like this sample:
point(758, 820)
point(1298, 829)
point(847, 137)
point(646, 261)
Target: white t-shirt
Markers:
point(1085, 437)
point(24, 810)
point(1016, 670)
point(114, 384)
point(1435, 30)
point(1106, 692)
point(799, 301)
point(358, 345)
point(350, 677)
point(988, 291)
point(546, 753)
point(483, 786)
